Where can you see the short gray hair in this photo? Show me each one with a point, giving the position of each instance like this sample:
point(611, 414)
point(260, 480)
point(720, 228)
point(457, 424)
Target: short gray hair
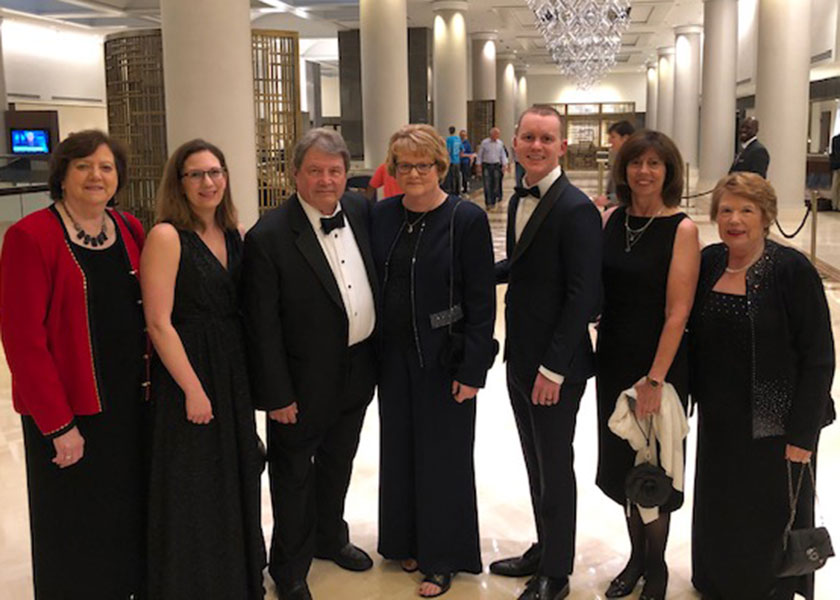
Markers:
point(326, 140)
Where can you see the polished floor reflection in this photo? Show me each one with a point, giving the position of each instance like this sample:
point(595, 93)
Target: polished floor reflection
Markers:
point(505, 514)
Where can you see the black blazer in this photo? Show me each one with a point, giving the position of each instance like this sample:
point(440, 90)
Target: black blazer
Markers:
point(295, 323)
point(474, 288)
point(754, 159)
point(554, 285)
point(834, 157)
point(792, 344)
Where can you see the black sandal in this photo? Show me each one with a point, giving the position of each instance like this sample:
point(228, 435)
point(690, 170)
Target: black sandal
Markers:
point(442, 580)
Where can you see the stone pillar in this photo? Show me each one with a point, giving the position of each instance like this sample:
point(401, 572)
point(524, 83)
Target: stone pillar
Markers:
point(686, 127)
point(781, 95)
point(419, 67)
point(505, 97)
point(652, 89)
point(350, 91)
point(384, 51)
point(450, 64)
point(313, 92)
point(717, 112)
point(484, 65)
point(521, 98)
point(194, 66)
point(665, 91)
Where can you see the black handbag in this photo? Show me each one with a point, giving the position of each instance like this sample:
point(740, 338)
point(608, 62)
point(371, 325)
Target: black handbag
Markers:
point(646, 484)
point(803, 550)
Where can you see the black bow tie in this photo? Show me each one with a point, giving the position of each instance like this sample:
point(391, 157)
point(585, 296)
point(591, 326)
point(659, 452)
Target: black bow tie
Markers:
point(334, 222)
point(531, 191)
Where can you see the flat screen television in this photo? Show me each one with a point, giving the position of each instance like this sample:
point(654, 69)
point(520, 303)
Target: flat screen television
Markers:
point(30, 141)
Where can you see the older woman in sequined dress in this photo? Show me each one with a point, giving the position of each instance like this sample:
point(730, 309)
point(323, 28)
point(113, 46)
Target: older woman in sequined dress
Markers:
point(762, 361)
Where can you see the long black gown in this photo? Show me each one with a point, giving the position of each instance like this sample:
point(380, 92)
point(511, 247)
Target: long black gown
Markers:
point(88, 520)
point(635, 285)
point(740, 490)
point(205, 539)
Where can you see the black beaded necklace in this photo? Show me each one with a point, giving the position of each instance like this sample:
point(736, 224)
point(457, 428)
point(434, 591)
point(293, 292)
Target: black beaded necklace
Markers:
point(88, 240)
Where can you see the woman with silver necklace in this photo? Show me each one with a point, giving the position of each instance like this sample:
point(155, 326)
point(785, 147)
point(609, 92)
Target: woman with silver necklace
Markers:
point(434, 257)
point(72, 329)
point(762, 361)
point(651, 260)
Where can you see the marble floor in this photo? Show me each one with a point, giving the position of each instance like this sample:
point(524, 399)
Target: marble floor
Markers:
point(504, 506)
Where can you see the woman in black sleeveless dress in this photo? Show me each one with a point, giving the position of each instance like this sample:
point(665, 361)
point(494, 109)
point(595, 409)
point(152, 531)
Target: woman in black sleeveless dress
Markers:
point(651, 260)
point(205, 539)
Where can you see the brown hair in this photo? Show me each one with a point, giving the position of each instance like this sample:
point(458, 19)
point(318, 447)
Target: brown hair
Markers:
point(748, 186)
point(171, 204)
point(636, 145)
point(418, 139)
point(79, 145)
point(542, 110)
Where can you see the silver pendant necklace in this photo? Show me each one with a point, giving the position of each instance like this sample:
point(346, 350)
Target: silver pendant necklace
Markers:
point(411, 225)
point(632, 236)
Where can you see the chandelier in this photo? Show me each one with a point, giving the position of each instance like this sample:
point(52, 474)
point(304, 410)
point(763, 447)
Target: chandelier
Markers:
point(582, 36)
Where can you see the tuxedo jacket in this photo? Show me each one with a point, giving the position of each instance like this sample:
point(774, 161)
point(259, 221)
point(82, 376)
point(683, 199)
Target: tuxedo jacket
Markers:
point(295, 322)
point(554, 285)
point(834, 157)
point(754, 159)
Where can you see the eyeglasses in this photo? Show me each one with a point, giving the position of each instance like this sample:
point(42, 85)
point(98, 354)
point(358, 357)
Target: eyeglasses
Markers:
point(197, 176)
point(422, 168)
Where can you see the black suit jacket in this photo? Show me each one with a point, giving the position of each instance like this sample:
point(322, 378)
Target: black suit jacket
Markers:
point(295, 322)
point(834, 157)
point(554, 285)
point(754, 159)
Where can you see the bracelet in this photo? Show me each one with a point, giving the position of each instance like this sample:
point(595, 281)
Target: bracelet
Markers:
point(652, 382)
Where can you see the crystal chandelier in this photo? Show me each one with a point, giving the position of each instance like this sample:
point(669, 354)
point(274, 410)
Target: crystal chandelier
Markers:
point(582, 36)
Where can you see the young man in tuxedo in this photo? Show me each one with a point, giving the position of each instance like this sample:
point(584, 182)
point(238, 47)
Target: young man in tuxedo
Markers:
point(752, 155)
point(309, 308)
point(553, 271)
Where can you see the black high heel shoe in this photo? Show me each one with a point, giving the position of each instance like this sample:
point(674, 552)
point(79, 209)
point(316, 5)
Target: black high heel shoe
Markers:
point(655, 587)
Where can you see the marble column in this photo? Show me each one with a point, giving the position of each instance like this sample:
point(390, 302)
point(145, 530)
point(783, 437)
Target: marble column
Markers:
point(781, 95)
point(484, 65)
point(686, 126)
point(521, 98)
point(651, 98)
point(505, 96)
point(313, 93)
point(717, 111)
point(384, 55)
point(450, 64)
point(194, 66)
point(665, 90)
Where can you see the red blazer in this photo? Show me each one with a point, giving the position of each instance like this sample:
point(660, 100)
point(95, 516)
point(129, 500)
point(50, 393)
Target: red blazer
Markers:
point(44, 319)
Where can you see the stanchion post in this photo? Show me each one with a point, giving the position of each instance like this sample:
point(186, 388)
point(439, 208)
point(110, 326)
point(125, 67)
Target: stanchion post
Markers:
point(600, 178)
point(814, 211)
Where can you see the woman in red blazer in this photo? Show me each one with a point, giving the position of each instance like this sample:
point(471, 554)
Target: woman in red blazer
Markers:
point(72, 328)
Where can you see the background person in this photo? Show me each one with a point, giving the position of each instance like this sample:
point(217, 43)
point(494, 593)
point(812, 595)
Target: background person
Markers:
point(382, 179)
point(205, 537)
point(762, 357)
point(428, 516)
point(491, 159)
point(72, 328)
point(752, 156)
point(651, 261)
point(617, 134)
point(466, 162)
point(453, 175)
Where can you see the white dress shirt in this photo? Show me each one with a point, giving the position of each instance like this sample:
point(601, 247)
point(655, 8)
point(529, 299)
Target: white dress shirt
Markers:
point(348, 268)
point(526, 207)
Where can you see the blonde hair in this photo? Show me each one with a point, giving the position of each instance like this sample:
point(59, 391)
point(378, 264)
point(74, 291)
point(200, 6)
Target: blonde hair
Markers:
point(748, 186)
point(418, 139)
point(171, 203)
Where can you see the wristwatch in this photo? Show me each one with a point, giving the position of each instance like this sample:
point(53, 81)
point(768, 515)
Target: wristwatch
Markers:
point(652, 382)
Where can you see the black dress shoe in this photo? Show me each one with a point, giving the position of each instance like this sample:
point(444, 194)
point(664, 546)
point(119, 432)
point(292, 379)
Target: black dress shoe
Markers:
point(543, 587)
point(518, 566)
point(623, 585)
point(296, 591)
point(350, 557)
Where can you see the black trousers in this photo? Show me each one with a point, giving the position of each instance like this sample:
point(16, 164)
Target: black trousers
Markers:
point(427, 498)
point(546, 434)
point(309, 468)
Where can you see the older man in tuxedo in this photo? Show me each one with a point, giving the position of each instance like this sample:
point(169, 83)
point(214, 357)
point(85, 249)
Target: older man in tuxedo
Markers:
point(308, 301)
point(553, 271)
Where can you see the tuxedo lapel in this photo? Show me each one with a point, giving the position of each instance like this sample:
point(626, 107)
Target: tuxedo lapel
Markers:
point(362, 234)
point(311, 249)
point(511, 230)
point(544, 207)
